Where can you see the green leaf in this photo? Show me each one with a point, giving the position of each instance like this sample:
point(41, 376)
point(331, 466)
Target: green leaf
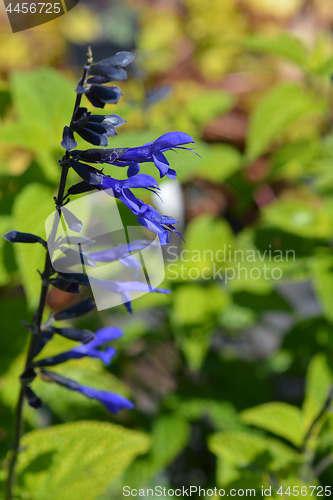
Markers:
point(14, 336)
point(280, 107)
point(76, 460)
point(284, 45)
point(209, 105)
point(236, 451)
point(221, 413)
point(194, 304)
point(317, 387)
point(205, 238)
point(321, 269)
point(281, 419)
point(42, 100)
point(169, 436)
point(43, 96)
point(193, 315)
point(5, 226)
point(31, 208)
point(304, 218)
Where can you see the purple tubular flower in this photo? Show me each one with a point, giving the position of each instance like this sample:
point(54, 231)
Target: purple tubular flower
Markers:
point(124, 289)
point(90, 349)
point(120, 252)
point(159, 224)
point(132, 157)
point(147, 216)
point(112, 402)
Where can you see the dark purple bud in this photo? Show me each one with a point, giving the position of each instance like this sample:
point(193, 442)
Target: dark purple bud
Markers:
point(81, 187)
point(80, 118)
point(99, 79)
point(89, 174)
point(28, 376)
point(119, 60)
point(78, 310)
point(111, 68)
point(105, 74)
point(33, 400)
point(55, 377)
point(66, 285)
point(92, 137)
point(43, 340)
point(99, 155)
point(157, 94)
point(68, 142)
point(17, 237)
point(79, 277)
point(82, 336)
point(107, 120)
point(72, 221)
point(110, 95)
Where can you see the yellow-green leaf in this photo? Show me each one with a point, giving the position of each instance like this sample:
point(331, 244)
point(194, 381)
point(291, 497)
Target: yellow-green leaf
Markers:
point(76, 461)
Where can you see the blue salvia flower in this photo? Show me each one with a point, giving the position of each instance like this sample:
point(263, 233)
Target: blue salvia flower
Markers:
point(147, 216)
point(90, 349)
point(132, 157)
point(112, 402)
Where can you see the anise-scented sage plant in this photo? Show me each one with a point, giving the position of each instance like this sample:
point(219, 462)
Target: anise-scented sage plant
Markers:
point(94, 129)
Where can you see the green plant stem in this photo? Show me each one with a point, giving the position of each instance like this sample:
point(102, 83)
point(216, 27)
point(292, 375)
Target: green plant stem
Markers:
point(36, 331)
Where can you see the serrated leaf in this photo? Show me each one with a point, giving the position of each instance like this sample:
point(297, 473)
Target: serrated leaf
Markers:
point(76, 460)
point(317, 387)
point(31, 208)
point(280, 107)
point(284, 45)
point(281, 419)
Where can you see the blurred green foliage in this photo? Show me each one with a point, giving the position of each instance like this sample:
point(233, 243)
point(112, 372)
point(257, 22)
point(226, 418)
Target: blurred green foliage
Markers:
point(231, 378)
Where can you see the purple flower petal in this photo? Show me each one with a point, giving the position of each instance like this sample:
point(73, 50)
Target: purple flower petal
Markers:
point(112, 402)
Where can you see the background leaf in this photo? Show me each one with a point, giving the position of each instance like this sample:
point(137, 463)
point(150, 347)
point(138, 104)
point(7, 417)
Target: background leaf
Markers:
point(270, 119)
point(76, 460)
point(31, 208)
